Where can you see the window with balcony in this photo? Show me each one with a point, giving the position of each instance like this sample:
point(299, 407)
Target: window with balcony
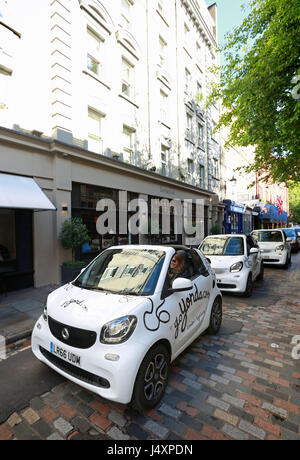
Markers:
point(95, 143)
point(94, 53)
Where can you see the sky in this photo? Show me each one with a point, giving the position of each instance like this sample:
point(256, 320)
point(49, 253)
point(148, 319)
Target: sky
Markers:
point(230, 15)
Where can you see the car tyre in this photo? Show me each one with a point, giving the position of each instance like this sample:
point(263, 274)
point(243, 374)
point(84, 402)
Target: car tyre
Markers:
point(287, 262)
point(152, 378)
point(261, 272)
point(249, 286)
point(215, 317)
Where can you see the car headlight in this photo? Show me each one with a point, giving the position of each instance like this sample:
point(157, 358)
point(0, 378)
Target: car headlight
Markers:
point(119, 330)
point(236, 267)
point(279, 248)
point(45, 313)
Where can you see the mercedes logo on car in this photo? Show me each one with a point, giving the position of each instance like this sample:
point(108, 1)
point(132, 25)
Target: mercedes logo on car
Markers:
point(65, 334)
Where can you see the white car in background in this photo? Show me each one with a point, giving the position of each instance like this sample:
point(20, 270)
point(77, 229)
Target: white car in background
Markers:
point(236, 261)
point(274, 245)
point(118, 326)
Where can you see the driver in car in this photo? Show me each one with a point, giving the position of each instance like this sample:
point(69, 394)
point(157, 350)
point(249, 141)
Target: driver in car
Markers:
point(178, 267)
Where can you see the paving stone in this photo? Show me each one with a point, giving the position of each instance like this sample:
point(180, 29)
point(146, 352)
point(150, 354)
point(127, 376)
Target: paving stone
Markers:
point(252, 429)
point(234, 432)
point(24, 433)
point(30, 416)
point(277, 411)
point(135, 430)
point(81, 424)
point(167, 410)
point(14, 419)
point(117, 418)
point(43, 429)
point(63, 426)
point(157, 429)
point(116, 434)
point(218, 403)
point(55, 437)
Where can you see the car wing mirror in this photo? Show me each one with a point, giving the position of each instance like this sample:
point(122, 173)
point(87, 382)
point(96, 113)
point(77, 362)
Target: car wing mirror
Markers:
point(181, 284)
point(289, 239)
point(253, 251)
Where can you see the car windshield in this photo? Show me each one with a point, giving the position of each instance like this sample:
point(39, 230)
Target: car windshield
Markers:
point(123, 271)
point(290, 232)
point(268, 237)
point(223, 245)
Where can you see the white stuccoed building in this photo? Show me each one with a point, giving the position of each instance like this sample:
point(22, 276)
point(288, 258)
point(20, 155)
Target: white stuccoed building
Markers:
point(98, 97)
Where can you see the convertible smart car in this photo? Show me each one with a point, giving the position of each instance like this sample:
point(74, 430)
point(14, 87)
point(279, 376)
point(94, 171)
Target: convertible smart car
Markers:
point(118, 326)
point(275, 246)
point(236, 260)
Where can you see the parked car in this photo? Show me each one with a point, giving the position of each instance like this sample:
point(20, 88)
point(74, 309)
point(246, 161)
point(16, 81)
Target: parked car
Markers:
point(236, 260)
point(274, 246)
point(292, 238)
point(297, 230)
point(118, 326)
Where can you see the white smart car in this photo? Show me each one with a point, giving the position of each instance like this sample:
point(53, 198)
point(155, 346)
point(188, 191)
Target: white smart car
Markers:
point(274, 245)
point(118, 326)
point(236, 260)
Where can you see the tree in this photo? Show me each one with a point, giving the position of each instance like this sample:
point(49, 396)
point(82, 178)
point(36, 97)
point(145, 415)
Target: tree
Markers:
point(73, 234)
point(260, 87)
point(294, 198)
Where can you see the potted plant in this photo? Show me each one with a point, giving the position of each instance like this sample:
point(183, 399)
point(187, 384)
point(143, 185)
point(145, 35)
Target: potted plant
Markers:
point(73, 234)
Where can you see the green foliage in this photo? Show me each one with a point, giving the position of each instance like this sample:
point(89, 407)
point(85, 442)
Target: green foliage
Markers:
point(294, 197)
point(73, 234)
point(260, 87)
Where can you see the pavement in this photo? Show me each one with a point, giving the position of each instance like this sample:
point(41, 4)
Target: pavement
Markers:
point(243, 383)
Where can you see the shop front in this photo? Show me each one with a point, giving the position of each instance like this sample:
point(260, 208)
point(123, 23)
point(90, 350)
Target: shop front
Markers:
point(20, 197)
point(233, 217)
point(271, 217)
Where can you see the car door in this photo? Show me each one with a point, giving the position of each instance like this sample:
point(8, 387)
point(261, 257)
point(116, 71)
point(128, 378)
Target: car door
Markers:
point(190, 306)
point(254, 259)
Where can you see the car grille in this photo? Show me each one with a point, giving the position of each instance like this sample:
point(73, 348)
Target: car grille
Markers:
point(226, 286)
point(78, 338)
point(74, 371)
point(271, 260)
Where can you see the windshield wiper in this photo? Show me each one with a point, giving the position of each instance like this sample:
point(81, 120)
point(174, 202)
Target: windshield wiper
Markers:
point(128, 293)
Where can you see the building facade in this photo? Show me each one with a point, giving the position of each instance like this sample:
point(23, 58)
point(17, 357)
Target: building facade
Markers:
point(98, 98)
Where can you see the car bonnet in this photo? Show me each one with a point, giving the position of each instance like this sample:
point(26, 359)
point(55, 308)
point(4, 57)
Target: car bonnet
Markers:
point(89, 309)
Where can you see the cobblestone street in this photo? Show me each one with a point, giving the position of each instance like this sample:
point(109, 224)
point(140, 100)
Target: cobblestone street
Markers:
point(243, 383)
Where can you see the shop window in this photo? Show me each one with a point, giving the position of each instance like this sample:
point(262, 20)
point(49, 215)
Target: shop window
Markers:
point(7, 237)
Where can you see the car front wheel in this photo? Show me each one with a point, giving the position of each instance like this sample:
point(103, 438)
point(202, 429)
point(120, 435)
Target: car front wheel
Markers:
point(152, 378)
point(249, 286)
point(215, 317)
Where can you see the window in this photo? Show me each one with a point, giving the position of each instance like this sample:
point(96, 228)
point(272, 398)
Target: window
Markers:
point(215, 168)
point(201, 176)
point(186, 32)
point(94, 53)
point(200, 129)
point(125, 14)
point(164, 159)
point(128, 144)
point(199, 93)
point(163, 106)
point(127, 79)
point(190, 167)
point(189, 124)
point(162, 51)
point(94, 131)
point(187, 81)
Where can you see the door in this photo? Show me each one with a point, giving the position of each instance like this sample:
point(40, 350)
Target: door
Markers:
point(190, 306)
